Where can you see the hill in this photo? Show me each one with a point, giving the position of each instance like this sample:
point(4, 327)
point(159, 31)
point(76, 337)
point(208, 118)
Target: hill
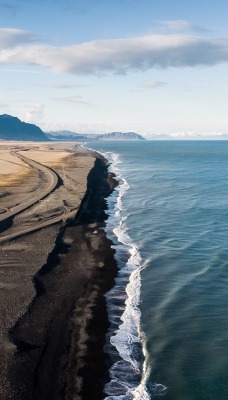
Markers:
point(12, 128)
point(77, 137)
point(66, 135)
point(120, 136)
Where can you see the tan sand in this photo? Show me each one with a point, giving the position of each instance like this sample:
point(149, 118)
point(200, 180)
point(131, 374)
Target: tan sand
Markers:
point(17, 186)
point(48, 303)
point(17, 189)
point(46, 156)
point(12, 168)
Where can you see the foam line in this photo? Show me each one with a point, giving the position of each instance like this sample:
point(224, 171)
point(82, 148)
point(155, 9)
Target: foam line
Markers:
point(125, 340)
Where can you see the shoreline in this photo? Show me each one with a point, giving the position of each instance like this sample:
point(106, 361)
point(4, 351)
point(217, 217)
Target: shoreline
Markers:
point(60, 348)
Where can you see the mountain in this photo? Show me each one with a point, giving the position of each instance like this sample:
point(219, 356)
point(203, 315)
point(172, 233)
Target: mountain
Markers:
point(120, 136)
point(66, 135)
point(190, 136)
point(77, 137)
point(12, 128)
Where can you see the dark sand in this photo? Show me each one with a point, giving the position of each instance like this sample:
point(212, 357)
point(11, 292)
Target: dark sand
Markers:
point(55, 349)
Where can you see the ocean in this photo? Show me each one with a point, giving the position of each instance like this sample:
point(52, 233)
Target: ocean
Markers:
point(168, 219)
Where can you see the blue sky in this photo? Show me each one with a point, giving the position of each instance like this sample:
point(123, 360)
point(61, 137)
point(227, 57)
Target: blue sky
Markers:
point(154, 67)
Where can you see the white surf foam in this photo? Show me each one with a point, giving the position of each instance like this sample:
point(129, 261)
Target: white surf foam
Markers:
point(126, 336)
point(130, 371)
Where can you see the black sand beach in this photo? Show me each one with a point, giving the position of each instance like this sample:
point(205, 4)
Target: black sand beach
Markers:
point(58, 342)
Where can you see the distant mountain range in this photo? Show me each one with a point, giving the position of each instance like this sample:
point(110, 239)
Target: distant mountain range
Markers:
point(12, 128)
point(66, 136)
point(77, 137)
point(120, 136)
point(188, 137)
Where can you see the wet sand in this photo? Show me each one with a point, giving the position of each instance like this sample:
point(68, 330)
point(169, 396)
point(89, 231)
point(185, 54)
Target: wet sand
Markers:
point(53, 309)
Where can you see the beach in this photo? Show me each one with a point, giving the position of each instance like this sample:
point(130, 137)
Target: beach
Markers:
point(56, 265)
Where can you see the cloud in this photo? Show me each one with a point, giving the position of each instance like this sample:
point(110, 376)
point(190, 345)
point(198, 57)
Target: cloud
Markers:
point(72, 100)
point(8, 6)
point(9, 37)
point(62, 86)
point(35, 112)
point(182, 25)
point(118, 56)
point(23, 71)
point(150, 84)
point(17, 6)
point(3, 105)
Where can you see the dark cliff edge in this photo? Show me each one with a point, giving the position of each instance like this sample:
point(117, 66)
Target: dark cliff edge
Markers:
point(60, 338)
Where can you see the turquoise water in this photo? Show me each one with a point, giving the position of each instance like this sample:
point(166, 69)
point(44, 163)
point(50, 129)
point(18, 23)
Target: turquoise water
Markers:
point(175, 218)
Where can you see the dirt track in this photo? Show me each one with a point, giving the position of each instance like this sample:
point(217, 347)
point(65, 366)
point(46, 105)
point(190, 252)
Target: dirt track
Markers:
point(52, 180)
point(53, 192)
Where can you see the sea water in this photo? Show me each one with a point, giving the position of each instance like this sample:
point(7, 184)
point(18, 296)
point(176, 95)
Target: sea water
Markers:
point(168, 219)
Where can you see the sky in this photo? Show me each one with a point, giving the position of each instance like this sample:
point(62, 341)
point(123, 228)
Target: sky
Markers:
point(154, 67)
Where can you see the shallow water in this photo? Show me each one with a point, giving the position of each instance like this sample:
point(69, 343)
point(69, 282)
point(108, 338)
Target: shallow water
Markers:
point(171, 235)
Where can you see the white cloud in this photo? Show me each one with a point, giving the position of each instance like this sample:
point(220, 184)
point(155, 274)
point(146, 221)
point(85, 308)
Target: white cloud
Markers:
point(79, 100)
point(23, 71)
point(10, 37)
point(150, 84)
point(3, 105)
point(62, 86)
point(182, 25)
point(177, 24)
point(35, 112)
point(117, 56)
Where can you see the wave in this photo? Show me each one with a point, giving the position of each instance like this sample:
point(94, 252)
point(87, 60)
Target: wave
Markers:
point(124, 340)
point(130, 370)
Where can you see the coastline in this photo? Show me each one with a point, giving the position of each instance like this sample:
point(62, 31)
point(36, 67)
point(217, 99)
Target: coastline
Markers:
point(61, 336)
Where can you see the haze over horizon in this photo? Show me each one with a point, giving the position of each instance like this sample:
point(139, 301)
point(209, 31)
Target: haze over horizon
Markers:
point(93, 66)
